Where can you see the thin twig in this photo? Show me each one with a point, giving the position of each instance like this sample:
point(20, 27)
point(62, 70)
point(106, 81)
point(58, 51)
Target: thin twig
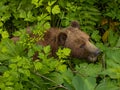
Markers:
point(38, 74)
point(59, 86)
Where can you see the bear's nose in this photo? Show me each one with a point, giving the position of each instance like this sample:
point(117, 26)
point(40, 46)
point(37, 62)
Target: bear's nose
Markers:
point(97, 52)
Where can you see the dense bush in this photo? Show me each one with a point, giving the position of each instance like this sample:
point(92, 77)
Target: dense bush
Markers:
point(99, 18)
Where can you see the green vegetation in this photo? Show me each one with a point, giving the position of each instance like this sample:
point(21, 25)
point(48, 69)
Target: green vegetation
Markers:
point(99, 18)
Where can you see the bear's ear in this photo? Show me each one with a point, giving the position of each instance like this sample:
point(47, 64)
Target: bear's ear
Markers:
point(62, 38)
point(75, 24)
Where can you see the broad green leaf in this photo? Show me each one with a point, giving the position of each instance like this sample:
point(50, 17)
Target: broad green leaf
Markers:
point(68, 86)
point(107, 85)
point(89, 69)
point(68, 76)
point(113, 55)
point(80, 83)
point(90, 83)
point(56, 9)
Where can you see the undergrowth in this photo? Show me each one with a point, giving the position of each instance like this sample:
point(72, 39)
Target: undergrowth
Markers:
point(18, 71)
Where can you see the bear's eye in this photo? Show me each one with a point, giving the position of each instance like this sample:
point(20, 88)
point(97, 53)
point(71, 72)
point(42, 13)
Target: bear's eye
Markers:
point(82, 45)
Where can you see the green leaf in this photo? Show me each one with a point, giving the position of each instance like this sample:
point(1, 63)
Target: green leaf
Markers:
point(9, 83)
point(3, 69)
point(22, 14)
point(62, 68)
point(112, 41)
point(80, 83)
point(56, 9)
point(50, 3)
point(48, 8)
point(63, 53)
point(118, 43)
point(38, 65)
point(68, 76)
point(6, 74)
point(57, 78)
point(66, 51)
point(37, 2)
point(95, 35)
point(107, 85)
point(46, 49)
point(1, 24)
point(47, 25)
point(4, 49)
point(5, 34)
point(31, 53)
point(13, 66)
point(9, 88)
point(27, 72)
point(29, 14)
point(89, 69)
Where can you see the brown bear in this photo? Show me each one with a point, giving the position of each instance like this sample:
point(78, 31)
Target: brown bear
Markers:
point(71, 37)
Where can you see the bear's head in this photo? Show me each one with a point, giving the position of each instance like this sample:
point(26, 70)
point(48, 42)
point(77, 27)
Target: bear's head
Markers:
point(79, 42)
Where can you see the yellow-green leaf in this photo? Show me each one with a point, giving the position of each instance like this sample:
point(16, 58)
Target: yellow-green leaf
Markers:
point(5, 34)
point(48, 8)
point(62, 68)
point(56, 9)
point(105, 36)
point(1, 24)
point(38, 65)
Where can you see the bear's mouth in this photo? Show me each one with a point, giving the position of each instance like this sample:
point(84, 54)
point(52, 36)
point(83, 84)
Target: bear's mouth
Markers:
point(92, 58)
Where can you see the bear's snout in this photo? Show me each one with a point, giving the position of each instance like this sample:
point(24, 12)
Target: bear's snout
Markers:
point(97, 52)
point(93, 56)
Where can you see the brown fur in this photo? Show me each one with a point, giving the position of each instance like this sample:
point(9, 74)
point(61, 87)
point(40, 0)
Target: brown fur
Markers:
point(71, 37)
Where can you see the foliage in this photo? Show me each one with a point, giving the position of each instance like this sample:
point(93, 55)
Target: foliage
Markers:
point(20, 69)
